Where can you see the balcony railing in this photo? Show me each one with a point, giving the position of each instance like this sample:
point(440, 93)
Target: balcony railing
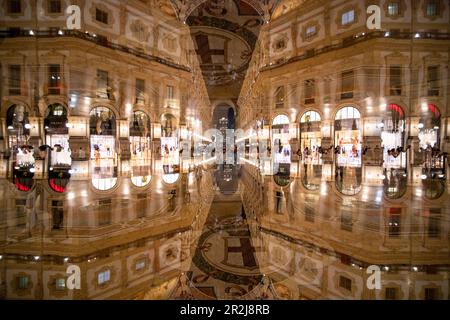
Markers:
point(350, 41)
point(99, 40)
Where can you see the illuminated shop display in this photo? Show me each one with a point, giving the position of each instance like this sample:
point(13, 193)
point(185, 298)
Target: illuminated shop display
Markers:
point(347, 135)
point(309, 152)
point(429, 126)
point(393, 137)
point(23, 160)
point(140, 146)
point(433, 159)
point(170, 156)
point(281, 150)
point(60, 154)
point(102, 124)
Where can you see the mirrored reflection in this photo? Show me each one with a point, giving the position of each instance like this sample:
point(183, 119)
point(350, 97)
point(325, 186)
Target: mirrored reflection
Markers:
point(338, 165)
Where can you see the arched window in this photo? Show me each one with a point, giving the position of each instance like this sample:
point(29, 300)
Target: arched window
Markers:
point(169, 126)
point(56, 119)
point(102, 122)
point(170, 178)
point(347, 128)
point(140, 125)
point(279, 97)
point(104, 184)
point(310, 143)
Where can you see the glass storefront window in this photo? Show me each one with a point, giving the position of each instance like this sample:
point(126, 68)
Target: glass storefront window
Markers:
point(433, 160)
point(140, 146)
point(170, 148)
point(309, 152)
point(281, 149)
point(102, 126)
point(393, 135)
point(348, 150)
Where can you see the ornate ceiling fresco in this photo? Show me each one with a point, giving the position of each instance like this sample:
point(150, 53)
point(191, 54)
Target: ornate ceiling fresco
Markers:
point(224, 33)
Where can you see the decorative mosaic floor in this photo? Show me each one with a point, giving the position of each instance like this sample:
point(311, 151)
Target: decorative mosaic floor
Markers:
point(224, 265)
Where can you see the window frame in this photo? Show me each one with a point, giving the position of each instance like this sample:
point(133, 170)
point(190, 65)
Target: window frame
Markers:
point(347, 15)
point(101, 16)
point(50, 7)
point(15, 79)
point(9, 6)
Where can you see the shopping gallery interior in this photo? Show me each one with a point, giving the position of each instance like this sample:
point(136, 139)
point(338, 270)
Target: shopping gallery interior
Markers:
point(224, 149)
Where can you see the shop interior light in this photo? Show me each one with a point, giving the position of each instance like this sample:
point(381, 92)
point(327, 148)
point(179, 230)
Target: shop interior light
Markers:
point(387, 34)
point(420, 126)
point(61, 33)
point(417, 35)
point(28, 126)
point(31, 32)
point(423, 177)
